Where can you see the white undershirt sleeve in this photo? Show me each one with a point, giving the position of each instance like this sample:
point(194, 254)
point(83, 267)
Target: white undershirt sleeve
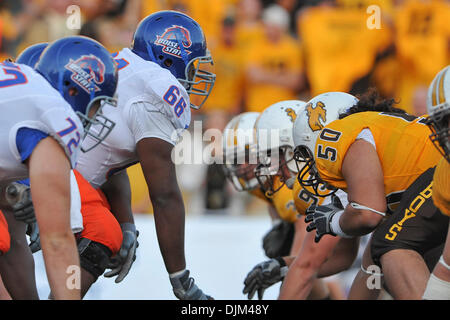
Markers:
point(148, 122)
point(367, 135)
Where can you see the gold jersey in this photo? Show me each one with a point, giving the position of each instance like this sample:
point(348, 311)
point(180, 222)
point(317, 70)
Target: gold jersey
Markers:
point(338, 46)
point(441, 187)
point(422, 37)
point(283, 202)
point(229, 79)
point(402, 145)
point(303, 200)
point(277, 58)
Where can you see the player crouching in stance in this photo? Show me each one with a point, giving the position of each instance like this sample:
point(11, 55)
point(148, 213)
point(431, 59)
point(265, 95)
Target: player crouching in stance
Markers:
point(100, 236)
point(438, 103)
point(164, 66)
point(361, 149)
point(311, 257)
point(48, 112)
point(239, 166)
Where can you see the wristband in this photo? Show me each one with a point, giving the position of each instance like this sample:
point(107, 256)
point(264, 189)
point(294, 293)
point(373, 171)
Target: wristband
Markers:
point(336, 227)
point(441, 260)
point(281, 261)
point(176, 274)
point(128, 226)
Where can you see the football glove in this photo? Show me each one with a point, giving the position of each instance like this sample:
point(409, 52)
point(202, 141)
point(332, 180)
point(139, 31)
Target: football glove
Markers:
point(17, 198)
point(120, 264)
point(35, 240)
point(320, 217)
point(184, 287)
point(263, 275)
point(277, 242)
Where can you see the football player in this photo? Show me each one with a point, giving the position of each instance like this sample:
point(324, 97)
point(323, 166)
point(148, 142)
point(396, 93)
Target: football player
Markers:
point(438, 103)
point(48, 112)
point(275, 172)
point(100, 237)
point(313, 256)
point(164, 67)
point(239, 166)
point(360, 147)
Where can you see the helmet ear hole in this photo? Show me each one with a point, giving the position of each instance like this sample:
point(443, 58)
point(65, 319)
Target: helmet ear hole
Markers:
point(73, 91)
point(168, 63)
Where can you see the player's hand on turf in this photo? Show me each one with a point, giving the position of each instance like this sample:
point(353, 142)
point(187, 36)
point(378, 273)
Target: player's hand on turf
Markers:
point(184, 287)
point(120, 264)
point(263, 275)
point(277, 242)
point(320, 218)
point(19, 197)
point(35, 239)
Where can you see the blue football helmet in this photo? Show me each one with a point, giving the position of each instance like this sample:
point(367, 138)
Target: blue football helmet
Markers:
point(177, 43)
point(85, 74)
point(30, 56)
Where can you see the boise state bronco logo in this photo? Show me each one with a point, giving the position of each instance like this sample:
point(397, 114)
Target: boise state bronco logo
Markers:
point(169, 40)
point(87, 71)
point(315, 114)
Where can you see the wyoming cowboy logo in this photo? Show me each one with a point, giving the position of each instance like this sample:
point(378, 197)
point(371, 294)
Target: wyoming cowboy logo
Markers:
point(315, 114)
point(291, 113)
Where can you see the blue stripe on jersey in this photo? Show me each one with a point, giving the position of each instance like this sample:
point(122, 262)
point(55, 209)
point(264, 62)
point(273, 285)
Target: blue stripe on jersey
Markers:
point(26, 141)
point(25, 182)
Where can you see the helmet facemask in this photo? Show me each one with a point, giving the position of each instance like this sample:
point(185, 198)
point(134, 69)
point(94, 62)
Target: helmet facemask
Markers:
point(240, 171)
point(198, 80)
point(439, 125)
point(275, 164)
point(96, 125)
point(308, 176)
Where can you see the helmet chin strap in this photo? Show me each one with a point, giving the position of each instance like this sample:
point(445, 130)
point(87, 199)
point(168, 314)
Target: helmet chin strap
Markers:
point(290, 182)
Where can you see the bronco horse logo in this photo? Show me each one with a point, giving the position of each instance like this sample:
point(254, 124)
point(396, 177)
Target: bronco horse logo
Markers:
point(87, 71)
point(291, 114)
point(172, 37)
point(315, 114)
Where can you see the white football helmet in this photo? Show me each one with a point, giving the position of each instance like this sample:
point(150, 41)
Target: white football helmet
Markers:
point(275, 144)
point(239, 151)
point(317, 113)
point(438, 107)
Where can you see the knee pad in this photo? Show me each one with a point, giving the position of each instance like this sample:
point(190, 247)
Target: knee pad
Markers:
point(94, 256)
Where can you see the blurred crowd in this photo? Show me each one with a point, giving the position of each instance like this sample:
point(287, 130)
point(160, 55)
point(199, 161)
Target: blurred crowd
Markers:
point(264, 51)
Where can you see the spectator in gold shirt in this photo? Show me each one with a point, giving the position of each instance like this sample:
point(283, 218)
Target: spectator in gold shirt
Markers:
point(273, 63)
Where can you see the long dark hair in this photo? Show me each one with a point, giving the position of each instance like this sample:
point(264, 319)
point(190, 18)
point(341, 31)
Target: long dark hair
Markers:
point(372, 101)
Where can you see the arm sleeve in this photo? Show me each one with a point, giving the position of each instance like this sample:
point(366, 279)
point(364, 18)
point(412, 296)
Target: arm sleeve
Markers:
point(146, 122)
point(26, 141)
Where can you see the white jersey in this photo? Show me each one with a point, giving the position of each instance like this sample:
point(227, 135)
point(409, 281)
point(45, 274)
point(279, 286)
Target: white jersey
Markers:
point(28, 100)
point(151, 103)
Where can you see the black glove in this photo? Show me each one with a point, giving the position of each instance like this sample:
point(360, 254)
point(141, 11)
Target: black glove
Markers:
point(35, 240)
point(19, 198)
point(184, 288)
point(120, 264)
point(263, 275)
point(320, 217)
point(277, 242)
